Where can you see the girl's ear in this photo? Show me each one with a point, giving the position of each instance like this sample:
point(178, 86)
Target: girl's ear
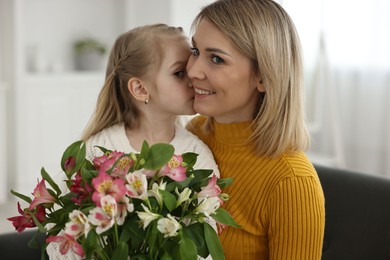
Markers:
point(138, 89)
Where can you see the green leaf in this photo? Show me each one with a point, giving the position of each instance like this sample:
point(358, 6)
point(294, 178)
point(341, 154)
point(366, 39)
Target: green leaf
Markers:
point(152, 237)
point(77, 152)
point(225, 182)
point(180, 185)
point(90, 243)
point(36, 240)
point(121, 252)
point(196, 233)
point(145, 150)
point(101, 148)
point(186, 249)
point(213, 243)
point(49, 180)
point(189, 159)
point(222, 216)
point(169, 199)
point(158, 156)
point(39, 225)
point(21, 196)
point(87, 174)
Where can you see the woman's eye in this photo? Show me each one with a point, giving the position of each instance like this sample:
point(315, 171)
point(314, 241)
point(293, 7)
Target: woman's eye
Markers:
point(195, 51)
point(180, 73)
point(217, 60)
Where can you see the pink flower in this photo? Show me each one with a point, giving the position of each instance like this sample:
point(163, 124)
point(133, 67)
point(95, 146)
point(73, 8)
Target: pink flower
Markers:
point(41, 195)
point(104, 217)
point(121, 161)
point(67, 242)
point(211, 190)
point(69, 164)
point(104, 184)
point(174, 169)
point(82, 189)
point(25, 220)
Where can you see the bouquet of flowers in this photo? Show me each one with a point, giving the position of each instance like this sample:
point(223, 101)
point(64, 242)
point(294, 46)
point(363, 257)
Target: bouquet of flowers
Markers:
point(147, 205)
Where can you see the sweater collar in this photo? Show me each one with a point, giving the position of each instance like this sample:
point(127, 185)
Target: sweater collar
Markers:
point(233, 133)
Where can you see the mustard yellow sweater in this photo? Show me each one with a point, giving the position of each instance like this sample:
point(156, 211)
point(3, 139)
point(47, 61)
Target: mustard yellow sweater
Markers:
point(278, 203)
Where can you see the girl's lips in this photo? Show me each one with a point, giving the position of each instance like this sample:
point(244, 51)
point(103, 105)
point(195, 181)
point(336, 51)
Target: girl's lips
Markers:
point(199, 91)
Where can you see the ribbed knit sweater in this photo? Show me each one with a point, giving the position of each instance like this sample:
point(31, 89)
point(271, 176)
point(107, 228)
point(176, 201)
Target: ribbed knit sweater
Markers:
point(278, 203)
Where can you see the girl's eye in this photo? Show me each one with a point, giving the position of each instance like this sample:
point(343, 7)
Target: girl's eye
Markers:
point(180, 73)
point(195, 51)
point(217, 59)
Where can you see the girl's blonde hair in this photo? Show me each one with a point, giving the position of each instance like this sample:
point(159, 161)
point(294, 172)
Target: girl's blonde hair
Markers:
point(136, 53)
point(264, 32)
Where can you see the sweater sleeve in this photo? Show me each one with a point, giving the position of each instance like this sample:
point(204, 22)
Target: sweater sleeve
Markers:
point(297, 218)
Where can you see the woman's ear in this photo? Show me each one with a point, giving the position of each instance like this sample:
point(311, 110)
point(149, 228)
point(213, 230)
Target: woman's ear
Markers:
point(260, 86)
point(258, 82)
point(138, 89)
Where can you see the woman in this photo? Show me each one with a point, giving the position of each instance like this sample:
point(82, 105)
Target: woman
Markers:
point(246, 72)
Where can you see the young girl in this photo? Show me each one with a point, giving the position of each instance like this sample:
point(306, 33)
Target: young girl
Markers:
point(246, 72)
point(145, 90)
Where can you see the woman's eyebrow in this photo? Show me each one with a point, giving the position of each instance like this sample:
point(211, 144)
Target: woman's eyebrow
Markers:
point(209, 49)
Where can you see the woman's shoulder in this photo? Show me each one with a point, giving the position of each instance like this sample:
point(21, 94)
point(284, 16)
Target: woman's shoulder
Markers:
point(196, 123)
point(298, 165)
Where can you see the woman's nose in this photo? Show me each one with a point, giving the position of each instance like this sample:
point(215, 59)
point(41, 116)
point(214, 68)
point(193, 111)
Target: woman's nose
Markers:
point(194, 68)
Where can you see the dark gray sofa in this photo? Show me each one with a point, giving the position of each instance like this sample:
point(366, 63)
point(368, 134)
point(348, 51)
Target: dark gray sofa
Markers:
point(357, 219)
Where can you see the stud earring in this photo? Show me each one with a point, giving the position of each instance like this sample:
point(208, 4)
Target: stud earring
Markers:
point(146, 101)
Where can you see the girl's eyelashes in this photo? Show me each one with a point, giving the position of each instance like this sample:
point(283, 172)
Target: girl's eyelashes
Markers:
point(195, 51)
point(180, 73)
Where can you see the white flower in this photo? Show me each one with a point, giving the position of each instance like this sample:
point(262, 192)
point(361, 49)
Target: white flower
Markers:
point(104, 217)
point(154, 192)
point(137, 185)
point(208, 206)
point(124, 207)
point(183, 196)
point(78, 224)
point(146, 216)
point(168, 226)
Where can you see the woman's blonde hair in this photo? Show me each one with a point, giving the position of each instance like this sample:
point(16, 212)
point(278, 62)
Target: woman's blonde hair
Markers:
point(264, 32)
point(136, 53)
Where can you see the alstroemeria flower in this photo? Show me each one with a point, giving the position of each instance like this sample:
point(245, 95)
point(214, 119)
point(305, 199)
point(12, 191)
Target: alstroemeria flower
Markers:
point(69, 164)
point(121, 161)
point(25, 220)
point(174, 169)
point(41, 195)
point(146, 216)
point(208, 206)
point(154, 192)
point(211, 190)
point(124, 207)
point(67, 242)
point(78, 224)
point(183, 196)
point(82, 189)
point(104, 184)
point(137, 185)
point(168, 226)
point(104, 217)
